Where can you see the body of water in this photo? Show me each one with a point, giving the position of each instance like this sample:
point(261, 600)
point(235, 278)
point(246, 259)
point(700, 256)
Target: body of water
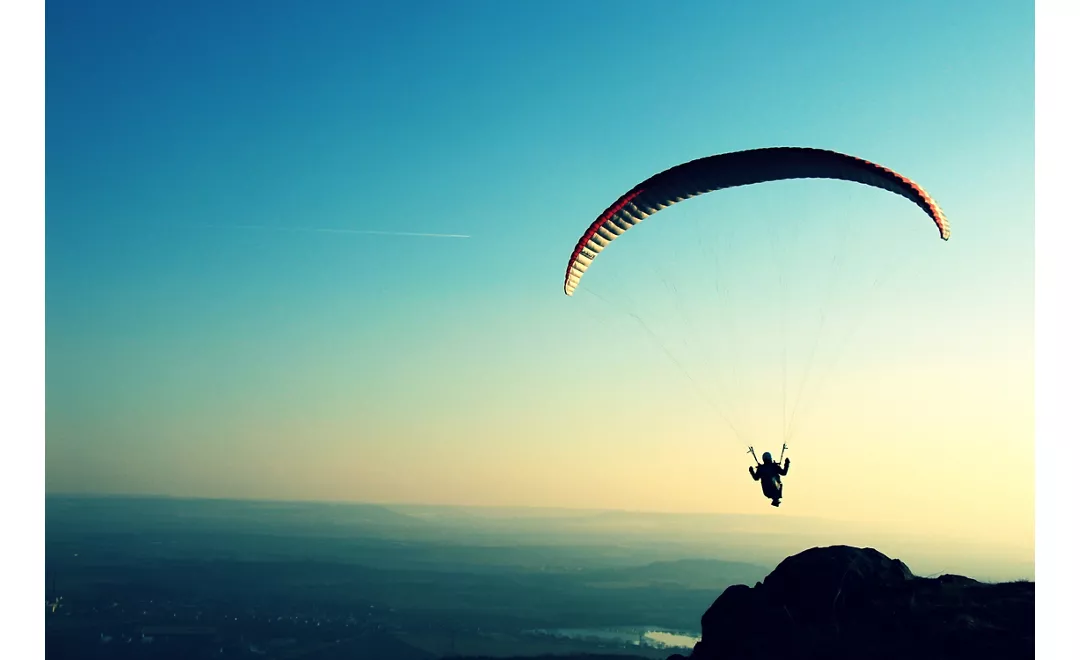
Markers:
point(626, 636)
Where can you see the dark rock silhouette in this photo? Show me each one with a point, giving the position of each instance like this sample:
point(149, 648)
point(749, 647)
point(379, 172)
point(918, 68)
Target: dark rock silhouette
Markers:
point(843, 602)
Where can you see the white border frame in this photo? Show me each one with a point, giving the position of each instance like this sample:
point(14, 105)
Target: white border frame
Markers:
point(22, 289)
point(22, 325)
point(1056, 331)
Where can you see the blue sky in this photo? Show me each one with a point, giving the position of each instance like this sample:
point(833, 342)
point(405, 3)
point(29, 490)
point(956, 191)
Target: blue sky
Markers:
point(191, 358)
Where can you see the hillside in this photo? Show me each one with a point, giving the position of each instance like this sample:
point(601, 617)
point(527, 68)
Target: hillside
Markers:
point(843, 602)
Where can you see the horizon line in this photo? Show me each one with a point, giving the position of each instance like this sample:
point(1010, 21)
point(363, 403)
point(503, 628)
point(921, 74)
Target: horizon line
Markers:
point(270, 500)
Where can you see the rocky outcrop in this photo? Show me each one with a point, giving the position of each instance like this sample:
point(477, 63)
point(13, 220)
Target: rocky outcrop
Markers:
point(842, 602)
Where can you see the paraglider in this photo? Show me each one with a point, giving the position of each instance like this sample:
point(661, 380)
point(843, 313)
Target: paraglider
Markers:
point(729, 170)
point(768, 472)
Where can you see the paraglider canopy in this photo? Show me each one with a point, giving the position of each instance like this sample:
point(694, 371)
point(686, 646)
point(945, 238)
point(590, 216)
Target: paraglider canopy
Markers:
point(738, 168)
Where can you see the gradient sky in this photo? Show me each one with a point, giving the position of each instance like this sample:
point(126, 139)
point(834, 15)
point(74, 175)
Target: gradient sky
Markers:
point(186, 357)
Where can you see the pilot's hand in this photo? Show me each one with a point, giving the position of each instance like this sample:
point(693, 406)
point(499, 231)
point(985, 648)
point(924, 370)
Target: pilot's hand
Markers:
point(787, 462)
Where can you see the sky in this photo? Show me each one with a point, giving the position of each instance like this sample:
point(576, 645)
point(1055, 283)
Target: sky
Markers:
point(195, 348)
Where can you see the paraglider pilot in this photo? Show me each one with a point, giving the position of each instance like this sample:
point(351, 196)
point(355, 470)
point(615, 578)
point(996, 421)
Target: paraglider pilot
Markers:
point(769, 473)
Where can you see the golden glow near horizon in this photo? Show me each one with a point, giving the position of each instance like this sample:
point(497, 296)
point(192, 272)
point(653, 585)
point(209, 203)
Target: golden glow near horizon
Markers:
point(960, 466)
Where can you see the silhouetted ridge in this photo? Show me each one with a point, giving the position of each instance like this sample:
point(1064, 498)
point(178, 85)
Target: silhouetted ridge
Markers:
point(845, 602)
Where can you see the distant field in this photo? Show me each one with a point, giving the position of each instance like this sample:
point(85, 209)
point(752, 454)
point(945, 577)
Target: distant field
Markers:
point(268, 571)
point(503, 646)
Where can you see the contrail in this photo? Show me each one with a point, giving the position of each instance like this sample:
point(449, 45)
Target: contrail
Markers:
point(330, 230)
